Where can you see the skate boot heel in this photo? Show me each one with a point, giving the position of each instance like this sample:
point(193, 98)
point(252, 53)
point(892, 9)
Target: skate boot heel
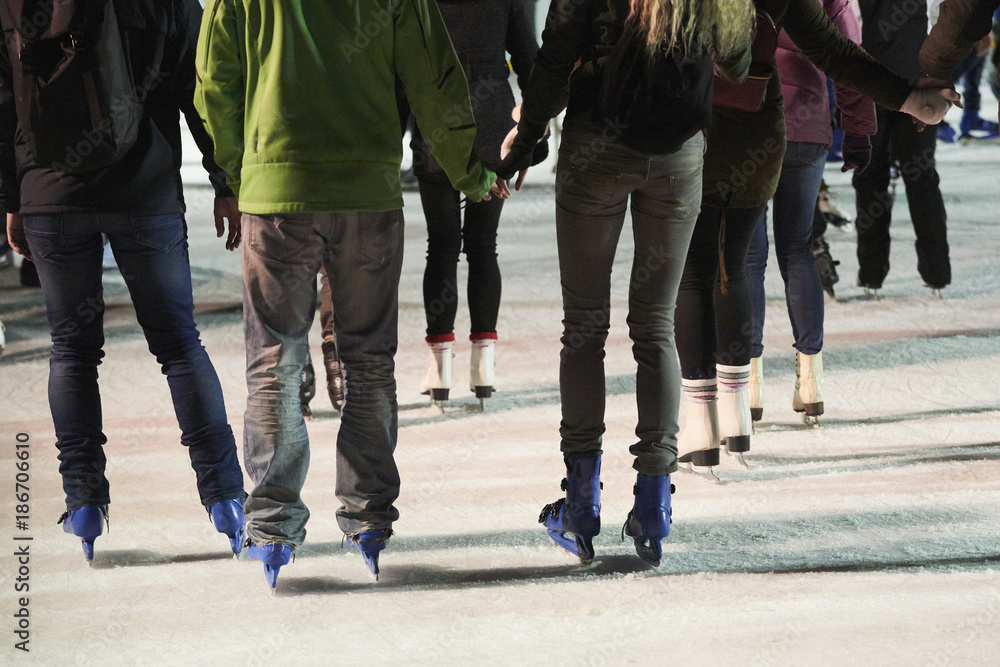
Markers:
point(87, 523)
point(482, 366)
point(734, 399)
point(808, 395)
point(574, 521)
point(228, 519)
point(701, 457)
point(370, 543)
point(648, 521)
point(698, 439)
point(737, 443)
point(756, 389)
point(437, 381)
point(274, 556)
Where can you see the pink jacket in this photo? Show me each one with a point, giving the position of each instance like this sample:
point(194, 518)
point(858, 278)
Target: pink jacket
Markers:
point(803, 85)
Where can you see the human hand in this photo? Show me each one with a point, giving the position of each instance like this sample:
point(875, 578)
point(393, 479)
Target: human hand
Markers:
point(516, 155)
point(228, 208)
point(929, 105)
point(857, 150)
point(15, 235)
point(500, 188)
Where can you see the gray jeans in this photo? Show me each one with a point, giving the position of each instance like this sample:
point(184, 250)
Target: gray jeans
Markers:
point(596, 176)
point(362, 253)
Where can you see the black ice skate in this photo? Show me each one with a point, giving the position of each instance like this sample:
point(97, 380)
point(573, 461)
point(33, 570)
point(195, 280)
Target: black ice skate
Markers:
point(826, 265)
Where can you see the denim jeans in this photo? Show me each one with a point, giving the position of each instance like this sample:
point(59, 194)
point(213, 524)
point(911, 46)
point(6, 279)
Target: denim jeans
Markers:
point(447, 235)
point(362, 253)
point(152, 255)
point(596, 177)
point(794, 208)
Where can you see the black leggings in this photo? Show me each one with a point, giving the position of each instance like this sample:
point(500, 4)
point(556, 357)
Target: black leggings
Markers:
point(714, 319)
point(446, 237)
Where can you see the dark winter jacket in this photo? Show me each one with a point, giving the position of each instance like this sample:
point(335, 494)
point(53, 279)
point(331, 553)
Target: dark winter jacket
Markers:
point(745, 149)
point(159, 38)
point(577, 39)
point(803, 85)
point(893, 31)
point(960, 24)
point(483, 32)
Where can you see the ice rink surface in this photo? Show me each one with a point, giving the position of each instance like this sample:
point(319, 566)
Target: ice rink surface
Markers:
point(874, 539)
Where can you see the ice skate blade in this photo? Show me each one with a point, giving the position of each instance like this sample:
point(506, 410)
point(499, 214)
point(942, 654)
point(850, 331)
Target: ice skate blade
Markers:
point(649, 553)
point(739, 458)
point(811, 420)
point(580, 547)
point(709, 474)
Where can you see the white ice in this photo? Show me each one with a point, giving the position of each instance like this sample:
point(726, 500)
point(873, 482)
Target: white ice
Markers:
point(874, 539)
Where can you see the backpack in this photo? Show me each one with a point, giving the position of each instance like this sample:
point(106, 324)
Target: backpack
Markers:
point(656, 102)
point(749, 95)
point(76, 101)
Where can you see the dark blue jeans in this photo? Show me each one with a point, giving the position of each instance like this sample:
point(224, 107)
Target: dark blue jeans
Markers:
point(363, 255)
point(152, 255)
point(794, 207)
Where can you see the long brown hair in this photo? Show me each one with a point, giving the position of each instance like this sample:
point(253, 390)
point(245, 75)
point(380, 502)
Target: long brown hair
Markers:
point(692, 26)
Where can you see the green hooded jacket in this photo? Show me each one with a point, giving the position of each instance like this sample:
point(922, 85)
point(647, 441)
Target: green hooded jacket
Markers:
point(299, 99)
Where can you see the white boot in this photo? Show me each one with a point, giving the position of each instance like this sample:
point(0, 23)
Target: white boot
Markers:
point(437, 381)
point(734, 407)
point(698, 440)
point(756, 389)
point(482, 368)
point(808, 396)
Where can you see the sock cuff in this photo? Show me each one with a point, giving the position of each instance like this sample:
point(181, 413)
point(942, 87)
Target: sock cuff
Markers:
point(733, 378)
point(486, 335)
point(699, 391)
point(440, 338)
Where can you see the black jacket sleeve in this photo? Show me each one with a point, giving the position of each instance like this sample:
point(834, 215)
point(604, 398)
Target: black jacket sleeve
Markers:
point(183, 45)
point(10, 189)
point(520, 43)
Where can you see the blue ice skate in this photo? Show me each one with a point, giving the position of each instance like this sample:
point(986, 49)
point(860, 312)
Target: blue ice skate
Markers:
point(87, 523)
point(228, 519)
point(273, 555)
point(370, 543)
point(973, 122)
point(648, 521)
point(579, 513)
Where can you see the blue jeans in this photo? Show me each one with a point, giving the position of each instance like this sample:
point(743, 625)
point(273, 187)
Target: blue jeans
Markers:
point(152, 255)
point(596, 178)
point(794, 207)
point(362, 253)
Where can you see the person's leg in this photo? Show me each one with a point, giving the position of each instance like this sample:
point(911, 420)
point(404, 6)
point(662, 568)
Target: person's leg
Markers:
point(874, 206)
point(281, 256)
point(923, 194)
point(794, 208)
point(364, 270)
point(442, 209)
point(479, 243)
point(696, 330)
point(733, 316)
point(590, 210)
point(67, 252)
point(664, 211)
point(152, 256)
point(756, 268)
